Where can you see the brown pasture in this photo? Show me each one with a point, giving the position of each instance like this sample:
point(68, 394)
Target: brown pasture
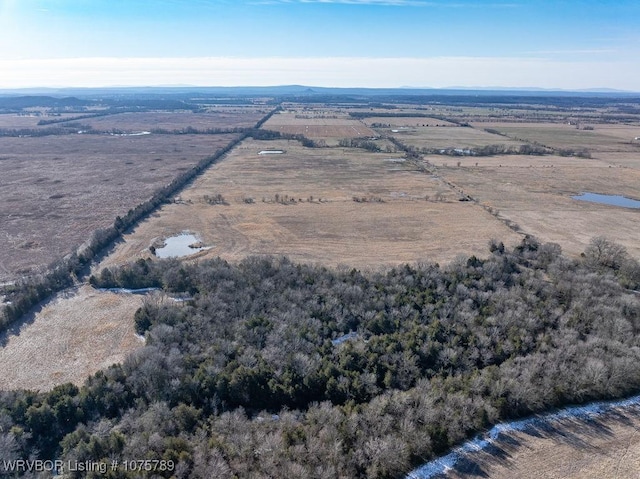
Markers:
point(329, 127)
point(56, 190)
point(14, 121)
point(353, 130)
point(450, 137)
point(393, 222)
point(602, 139)
point(75, 335)
point(176, 120)
point(300, 204)
point(535, 193)
point(606, 447)
point(625, 160)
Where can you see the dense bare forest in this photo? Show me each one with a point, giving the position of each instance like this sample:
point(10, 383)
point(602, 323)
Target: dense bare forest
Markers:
point(272, 369)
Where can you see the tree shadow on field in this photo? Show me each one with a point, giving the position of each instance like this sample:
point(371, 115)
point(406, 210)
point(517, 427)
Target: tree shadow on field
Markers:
point(475, 464)
point(581, 433)
point(16, 327)
point(468, 467)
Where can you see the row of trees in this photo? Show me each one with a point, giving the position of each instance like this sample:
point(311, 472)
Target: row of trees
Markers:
point(190, 130)
point(280, 369)
point(37, 132)
point(363, 143)
point(490, 150)
point(67, 119)
point(73, 128)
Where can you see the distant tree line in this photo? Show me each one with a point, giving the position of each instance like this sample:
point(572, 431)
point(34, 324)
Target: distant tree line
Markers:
point(130, 106)
point(263, 134)
point(216, 199)
point(37, 132)
point(490, 150)
point(67, 119)
point(363, 143)
point(534, 148)
point(277, 369)
point(577, 152)
point(375, 114)
point(190, 130)
point(74, 128)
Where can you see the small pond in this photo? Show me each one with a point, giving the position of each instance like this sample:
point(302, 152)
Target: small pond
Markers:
point(614, 200)
point(180, 245)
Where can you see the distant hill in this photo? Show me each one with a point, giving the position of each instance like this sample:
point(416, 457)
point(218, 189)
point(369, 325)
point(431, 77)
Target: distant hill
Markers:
point(297, 90)
point(20, 102)
point(188, 97)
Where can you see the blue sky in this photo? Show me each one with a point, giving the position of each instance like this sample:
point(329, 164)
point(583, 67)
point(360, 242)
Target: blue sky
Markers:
point(370, 43)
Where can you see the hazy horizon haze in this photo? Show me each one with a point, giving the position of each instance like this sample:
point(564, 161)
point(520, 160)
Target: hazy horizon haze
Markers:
point(569, 45)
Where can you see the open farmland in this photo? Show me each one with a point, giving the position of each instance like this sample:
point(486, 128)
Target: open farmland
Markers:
point(333, 206)
point(451, 137)
point(601, 138)
point(29, 120)
point(327, 205)
point(214, 118)
point(56, 190)
point(346, 207)
point(534, 192)
point(329, 127)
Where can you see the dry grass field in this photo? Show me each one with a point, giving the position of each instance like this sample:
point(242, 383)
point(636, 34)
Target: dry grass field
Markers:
point(450, 137)
point(625, 160)
point(330, 127)
point(602, 139)
point(75, 335)
point(535, 193)
point(607, 447)
point(16, 121)
point(231, 117)
point(56, 190)
point(392, 223)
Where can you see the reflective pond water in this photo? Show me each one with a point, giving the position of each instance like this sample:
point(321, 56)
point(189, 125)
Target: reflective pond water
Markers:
point(179, 245)
point(614, 200)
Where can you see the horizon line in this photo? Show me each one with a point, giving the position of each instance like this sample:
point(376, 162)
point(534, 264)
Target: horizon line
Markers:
point(496, 88)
